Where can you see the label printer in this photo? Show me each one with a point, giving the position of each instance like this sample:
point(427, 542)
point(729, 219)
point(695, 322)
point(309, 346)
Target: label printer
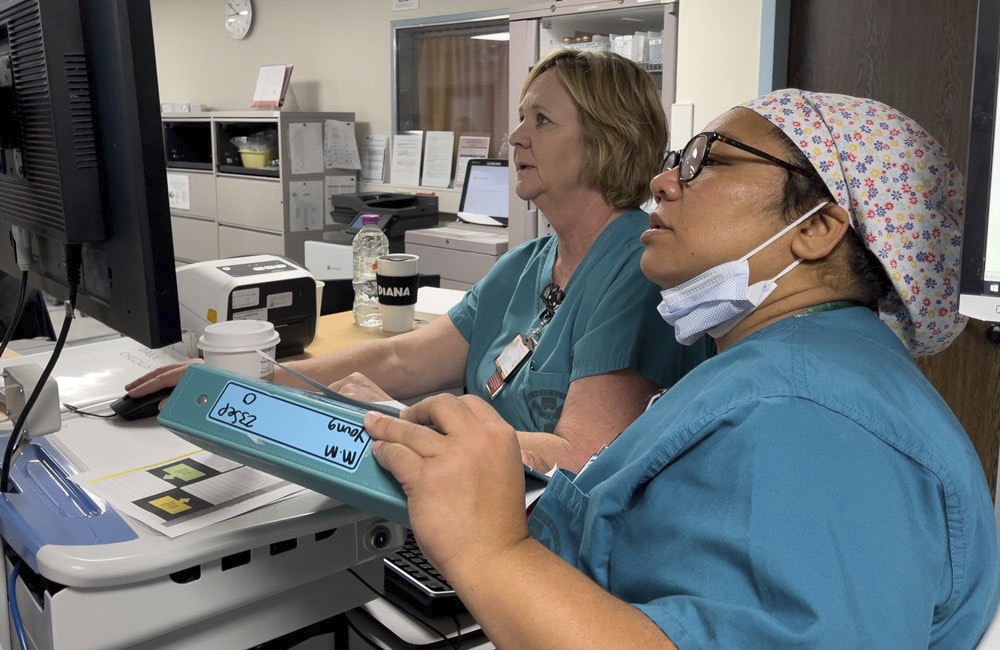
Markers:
point(397, 213)
point(255, 287)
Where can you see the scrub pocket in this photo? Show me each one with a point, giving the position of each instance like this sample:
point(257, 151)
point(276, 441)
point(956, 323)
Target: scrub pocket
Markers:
point(559, 517)
point(545, 394)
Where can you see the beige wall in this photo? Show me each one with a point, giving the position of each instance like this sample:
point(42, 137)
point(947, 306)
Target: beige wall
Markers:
point(718, 56)
point(342, 49)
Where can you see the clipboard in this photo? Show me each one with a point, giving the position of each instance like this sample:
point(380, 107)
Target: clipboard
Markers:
point(307, 438)
point(302, 437)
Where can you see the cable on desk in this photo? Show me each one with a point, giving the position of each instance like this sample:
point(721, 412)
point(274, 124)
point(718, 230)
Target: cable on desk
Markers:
point(451, 642)
point(20, 239)
point(18, 312)
point(89, 414)
point(15, 613)
point(73, 267)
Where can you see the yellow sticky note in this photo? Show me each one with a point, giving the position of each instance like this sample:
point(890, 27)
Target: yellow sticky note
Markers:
point(171, 505)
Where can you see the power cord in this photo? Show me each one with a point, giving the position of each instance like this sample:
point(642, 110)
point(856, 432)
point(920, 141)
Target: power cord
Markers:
point(18, 311)
point(21, 240)
point(73, 268)
point(89, 414)
point(15, 613)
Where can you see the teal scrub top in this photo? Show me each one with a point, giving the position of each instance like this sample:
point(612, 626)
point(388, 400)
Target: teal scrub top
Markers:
point(805, 488)
point(606, 322)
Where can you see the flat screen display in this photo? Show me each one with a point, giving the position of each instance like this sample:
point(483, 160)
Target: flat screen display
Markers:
point(980, 283)
point(486, 188)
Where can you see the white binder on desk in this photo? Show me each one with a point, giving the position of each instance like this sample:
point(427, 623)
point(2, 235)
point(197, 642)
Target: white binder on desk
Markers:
point(97, 372)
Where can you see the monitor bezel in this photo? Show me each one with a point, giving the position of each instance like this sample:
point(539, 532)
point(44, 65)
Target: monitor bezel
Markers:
point(974, 300)
point(481, 162)
point(128, 277)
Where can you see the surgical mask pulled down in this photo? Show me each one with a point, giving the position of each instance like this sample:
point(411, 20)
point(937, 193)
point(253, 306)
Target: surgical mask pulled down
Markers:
point(718, 299)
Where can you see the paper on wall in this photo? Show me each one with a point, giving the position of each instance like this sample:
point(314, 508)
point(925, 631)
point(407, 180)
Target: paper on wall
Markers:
point(438, 146)
point(305, 210)
point(340, 146)
point(405, 167)
point(179, 191)
point(469, 147)
point(305, 148)
point(373, 165)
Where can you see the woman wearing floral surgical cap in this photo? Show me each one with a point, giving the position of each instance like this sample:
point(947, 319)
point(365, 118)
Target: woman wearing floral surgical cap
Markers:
point(804, 488)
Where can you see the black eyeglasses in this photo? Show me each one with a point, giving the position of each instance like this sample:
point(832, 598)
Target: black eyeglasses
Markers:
point(691, 159)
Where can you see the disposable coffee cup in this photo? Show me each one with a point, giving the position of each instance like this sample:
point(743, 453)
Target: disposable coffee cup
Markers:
point(396, 277)
point(233, 345)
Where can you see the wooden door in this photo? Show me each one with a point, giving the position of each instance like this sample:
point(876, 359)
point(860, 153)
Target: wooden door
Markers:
point(915, 55)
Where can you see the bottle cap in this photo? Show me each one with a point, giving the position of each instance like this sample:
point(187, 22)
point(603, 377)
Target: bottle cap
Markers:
point(369, 219)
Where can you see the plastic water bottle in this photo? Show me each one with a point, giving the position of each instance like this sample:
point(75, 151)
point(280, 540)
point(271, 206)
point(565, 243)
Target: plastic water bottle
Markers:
point(369, 244)
point(504, 149)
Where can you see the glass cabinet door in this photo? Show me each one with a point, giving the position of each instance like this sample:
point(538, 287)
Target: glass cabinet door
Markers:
point(644, 31)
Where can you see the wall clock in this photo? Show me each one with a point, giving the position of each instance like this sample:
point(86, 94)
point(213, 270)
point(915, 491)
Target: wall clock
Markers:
point(239, 17)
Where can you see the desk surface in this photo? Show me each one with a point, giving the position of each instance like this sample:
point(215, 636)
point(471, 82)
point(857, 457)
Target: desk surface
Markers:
point(336, 331)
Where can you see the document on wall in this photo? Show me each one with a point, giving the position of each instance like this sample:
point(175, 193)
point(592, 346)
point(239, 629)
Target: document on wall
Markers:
point(373, 161)
point(336, 185)
point(340, 146)
point(469, 147)
point(305, 148)
point(185, 493)
point(305, 210)
point(405, 166)
point(272, 84)
point(438, 146)
point(179, 191)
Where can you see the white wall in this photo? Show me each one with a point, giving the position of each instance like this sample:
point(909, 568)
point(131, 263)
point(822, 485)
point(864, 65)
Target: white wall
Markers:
point(342, 52)
point(341, 49)
point(718, 56)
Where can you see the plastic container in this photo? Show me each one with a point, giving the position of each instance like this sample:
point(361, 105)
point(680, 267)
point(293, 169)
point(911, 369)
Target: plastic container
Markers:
point(233, 345)
point(256, 159)
point(369, 244)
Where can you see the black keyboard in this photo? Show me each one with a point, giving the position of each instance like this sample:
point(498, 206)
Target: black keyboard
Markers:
point(413, 584)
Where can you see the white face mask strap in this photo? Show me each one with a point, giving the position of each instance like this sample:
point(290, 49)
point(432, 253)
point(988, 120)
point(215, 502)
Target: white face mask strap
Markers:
point(787, 269)
point(782, 232)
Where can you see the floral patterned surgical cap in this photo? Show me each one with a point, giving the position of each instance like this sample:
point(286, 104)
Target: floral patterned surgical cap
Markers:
point(905, 196)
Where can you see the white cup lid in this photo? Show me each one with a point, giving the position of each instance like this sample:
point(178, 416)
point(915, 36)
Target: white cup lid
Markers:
point(238, 336)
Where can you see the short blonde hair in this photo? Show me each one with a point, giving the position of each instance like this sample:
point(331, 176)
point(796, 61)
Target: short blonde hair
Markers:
point(622, 119)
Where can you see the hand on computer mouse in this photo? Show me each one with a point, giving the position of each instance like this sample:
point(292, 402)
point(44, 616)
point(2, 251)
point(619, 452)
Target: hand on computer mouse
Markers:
point(136, 408)
point(164, 377)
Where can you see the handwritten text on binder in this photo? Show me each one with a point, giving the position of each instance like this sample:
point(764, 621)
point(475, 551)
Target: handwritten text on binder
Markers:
point(335, 439)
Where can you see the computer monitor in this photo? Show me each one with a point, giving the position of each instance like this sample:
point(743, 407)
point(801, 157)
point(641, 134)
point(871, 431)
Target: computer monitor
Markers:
point(980, 284)
point(485, 190)
point(81, 159)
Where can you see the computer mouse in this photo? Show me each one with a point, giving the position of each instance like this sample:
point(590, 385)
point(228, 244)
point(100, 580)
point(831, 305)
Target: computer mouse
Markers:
point(136, 408)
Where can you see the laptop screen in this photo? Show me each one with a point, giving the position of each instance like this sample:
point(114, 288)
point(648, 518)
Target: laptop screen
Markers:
point(485, 188)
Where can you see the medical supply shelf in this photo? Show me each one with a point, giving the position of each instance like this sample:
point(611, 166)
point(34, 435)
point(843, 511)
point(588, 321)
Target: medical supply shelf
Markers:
point(221, 208)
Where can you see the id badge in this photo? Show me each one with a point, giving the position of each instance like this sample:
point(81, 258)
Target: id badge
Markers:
point(509, 362)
